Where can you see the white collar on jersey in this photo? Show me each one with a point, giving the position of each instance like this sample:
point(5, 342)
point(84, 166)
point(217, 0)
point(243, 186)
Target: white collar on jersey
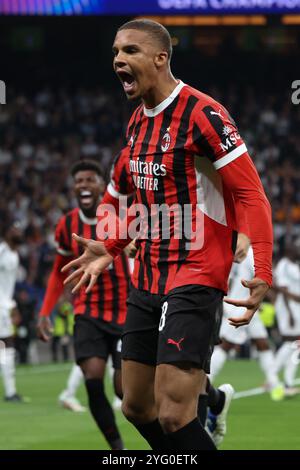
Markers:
point(87, 220)
point(165, 103)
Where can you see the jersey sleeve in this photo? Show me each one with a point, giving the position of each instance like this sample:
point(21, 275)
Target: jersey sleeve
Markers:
point(216, 136)
point(121, 182)
point(55, 286)
point(62, 238)
point(117, 197)
point(241, 218)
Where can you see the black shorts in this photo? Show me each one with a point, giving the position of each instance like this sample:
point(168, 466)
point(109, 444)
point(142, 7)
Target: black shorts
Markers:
point(179, 327)
point(91, 340)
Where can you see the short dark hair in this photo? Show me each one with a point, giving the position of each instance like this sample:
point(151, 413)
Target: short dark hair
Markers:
point(86, 164)
point(156, 30)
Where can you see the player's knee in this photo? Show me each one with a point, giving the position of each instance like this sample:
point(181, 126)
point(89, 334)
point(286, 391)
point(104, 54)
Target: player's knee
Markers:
point(131, 411)
point(226, 346)
point(91, 370)
point(135, 412)
point(90, 374)
point(170, 421)
point(262, 345)
point(171, 415)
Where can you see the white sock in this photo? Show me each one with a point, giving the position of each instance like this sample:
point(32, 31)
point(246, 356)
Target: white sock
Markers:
point(9, 372)
point(74, 381)
point(290, 371)
point(267, 364)
point(283, 355)
point(218, 360)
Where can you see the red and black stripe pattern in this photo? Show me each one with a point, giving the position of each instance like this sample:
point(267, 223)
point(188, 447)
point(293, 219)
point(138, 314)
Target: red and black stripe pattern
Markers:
point(161, 147)
point(107, 300)
point(121, 182)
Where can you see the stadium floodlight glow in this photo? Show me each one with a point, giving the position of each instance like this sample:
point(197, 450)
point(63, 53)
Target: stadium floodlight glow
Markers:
point(290, 19)
point(148, 7)
point(207, 20)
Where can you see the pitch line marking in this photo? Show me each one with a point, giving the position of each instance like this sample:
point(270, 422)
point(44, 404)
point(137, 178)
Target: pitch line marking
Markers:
point(255, 391)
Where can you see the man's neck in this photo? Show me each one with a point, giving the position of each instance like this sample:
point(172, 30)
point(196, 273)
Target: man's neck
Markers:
point(160, 92)
point(88, 217)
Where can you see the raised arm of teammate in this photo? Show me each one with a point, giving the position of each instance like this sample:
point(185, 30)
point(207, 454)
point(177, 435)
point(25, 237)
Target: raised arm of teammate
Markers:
point(55, 285)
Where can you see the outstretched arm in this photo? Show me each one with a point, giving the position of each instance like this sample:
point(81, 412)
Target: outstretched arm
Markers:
point(243, 240)
point(241, 177)
point(54, 290)
point(217, 137)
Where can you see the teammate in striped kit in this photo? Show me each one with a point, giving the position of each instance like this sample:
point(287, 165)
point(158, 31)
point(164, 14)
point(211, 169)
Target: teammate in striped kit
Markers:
point(100, 314)
point(187, 143)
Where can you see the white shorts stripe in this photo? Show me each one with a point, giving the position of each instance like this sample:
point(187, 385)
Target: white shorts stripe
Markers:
point(230, 156)
point(112, 191)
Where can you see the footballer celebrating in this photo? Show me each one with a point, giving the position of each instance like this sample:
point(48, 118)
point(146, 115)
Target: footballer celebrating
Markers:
point(187, 143)
point(99, 314)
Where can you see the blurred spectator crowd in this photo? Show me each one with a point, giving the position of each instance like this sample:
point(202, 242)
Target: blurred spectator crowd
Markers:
point(42, 135)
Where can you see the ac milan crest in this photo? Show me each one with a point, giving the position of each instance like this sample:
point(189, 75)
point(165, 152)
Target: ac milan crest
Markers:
point(166, 141)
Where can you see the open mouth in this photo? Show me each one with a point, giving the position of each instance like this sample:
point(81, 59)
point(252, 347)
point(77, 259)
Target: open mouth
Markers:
point(86, 197)
point(127, 80)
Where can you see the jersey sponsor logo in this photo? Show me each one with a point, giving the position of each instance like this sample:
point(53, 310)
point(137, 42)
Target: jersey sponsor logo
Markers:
point(231, 140)
point(227, 130)
point(142, 182)
point(166, 141)
point(147, 168)
point(147, 174)
point(214, 113)
point(176, 343)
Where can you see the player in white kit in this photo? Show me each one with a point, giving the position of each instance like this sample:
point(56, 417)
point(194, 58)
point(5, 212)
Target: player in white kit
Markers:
point(9, 264)
point(255, 331)
point(287, 306)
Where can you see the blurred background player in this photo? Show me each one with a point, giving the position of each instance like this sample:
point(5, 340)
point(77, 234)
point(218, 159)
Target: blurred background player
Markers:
point(243, 269)
point(57, 110)
point(287, 306)
point(63, 330)
point(9, 264)
point(99, 315)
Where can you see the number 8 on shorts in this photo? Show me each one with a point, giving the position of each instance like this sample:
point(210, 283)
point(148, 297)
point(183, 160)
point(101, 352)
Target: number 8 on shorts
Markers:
point(163, 316)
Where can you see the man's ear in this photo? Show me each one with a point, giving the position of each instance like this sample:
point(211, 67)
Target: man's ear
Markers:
point(161, 59)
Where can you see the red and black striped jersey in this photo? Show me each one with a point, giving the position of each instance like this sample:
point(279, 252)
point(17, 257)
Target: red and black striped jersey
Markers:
point(107, 300)
point(121, 182)
point(173, 152)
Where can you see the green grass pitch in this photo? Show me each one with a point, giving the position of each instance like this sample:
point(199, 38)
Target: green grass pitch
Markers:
point(253, 423)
